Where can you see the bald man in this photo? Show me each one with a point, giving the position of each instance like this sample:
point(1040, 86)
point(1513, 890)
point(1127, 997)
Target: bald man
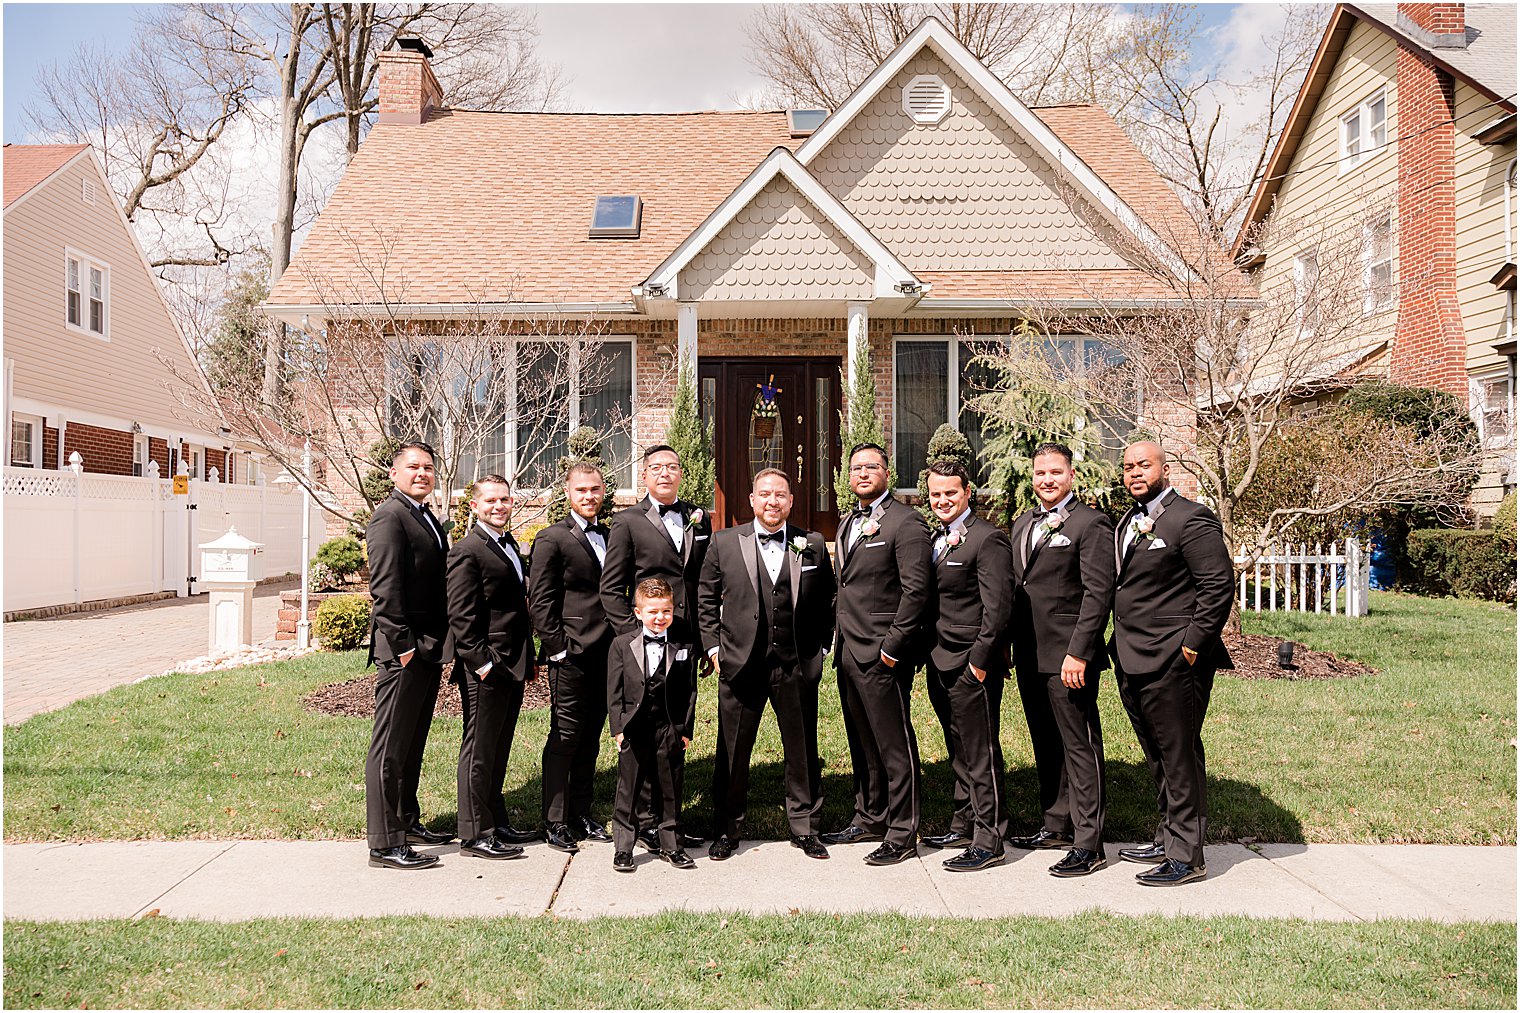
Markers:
point(1171, 601)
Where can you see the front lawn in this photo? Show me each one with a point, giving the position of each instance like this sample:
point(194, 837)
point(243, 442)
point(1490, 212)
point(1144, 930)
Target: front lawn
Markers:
point(805, 961)
point(1418, 753)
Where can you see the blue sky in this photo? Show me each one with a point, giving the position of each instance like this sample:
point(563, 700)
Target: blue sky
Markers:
point(619, 57)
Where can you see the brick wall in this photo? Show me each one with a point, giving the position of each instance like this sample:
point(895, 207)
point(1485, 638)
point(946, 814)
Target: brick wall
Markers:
point(1430, 343)
point(217, 459)
point(158, 450)
point(49, 448)
point(407, 88)
point(105, 451)
point(1442, 19)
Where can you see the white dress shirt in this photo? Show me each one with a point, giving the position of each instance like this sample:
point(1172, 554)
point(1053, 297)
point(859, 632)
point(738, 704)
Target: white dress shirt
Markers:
point(675, 525)
point(773, 554)
point(959, 524)
point(1151, 509)
point(1036, 530)
point(654, 655)
point(855, 527)
point(598, 543)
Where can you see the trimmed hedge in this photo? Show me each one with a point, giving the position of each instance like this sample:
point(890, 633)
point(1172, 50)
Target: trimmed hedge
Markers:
point(342, 622)
point(1465, 564)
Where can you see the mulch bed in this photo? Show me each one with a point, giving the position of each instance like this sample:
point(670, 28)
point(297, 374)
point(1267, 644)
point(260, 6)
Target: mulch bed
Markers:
point(356, 697)
point(1255, 657)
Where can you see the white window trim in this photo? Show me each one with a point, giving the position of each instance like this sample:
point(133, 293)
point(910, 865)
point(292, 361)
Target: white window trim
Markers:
point(1479, 381)
point(1511, 214)
point(36, 422)
point(1367, 150)
point(85, 263)
point(1301, 288)
point(1370, 304)
point(141, 440)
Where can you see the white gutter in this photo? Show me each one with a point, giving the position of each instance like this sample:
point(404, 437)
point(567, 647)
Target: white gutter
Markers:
point(292, 313)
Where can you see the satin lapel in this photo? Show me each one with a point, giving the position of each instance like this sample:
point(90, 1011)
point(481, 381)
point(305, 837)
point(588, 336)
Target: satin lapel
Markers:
point(497, 550)
point(417, 518)
point(652, 511)
point(1119, 556)
point(747, 552)
point(1043, 540)
point(579, 535)
point(688, 539)
point(844, 549)
point(793, 561)
point(670, 657)
point(874, 515)
point(636, 648)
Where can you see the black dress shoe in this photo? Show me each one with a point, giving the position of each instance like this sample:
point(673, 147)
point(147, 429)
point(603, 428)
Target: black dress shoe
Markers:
point(419, 834)
point(811, 846)
point(622, 861)
point(973, 859)
point(649, 837)
point(891, 854)
point(950, 840)
point(679, 859)
point(511, 835)
point(1078, 862)
point(588, 829)
point(685, 840)
point(1040, 841)
point(489, 847)
point(1171, 873)
point(1151, 854)
point(722, 848)
point(402, 857)
point(850, 835)
point(561, 839)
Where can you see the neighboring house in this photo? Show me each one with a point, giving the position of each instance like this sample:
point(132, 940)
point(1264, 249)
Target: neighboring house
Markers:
point(930, 208)
point(87, 331)
point(1405, 130)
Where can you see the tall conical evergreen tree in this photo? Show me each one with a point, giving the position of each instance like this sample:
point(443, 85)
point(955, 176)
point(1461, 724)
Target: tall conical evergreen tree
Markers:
point(692, 441)
point(585, 445)
point(947, 443)
point(859, 423)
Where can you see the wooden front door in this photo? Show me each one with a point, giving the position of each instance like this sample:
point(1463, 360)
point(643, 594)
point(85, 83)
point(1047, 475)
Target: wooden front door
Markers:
point(801, 437)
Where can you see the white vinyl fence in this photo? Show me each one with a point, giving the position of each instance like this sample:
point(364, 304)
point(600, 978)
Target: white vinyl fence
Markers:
point(77, 537)
point(1306, 578)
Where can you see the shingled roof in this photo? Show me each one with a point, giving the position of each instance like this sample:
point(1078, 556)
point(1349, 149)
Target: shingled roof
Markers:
point(26, 165)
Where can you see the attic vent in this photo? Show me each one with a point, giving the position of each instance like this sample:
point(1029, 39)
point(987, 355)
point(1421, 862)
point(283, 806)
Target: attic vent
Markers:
point(926, 99)
point(802, 122)
point(617, 217)
point(87, 192)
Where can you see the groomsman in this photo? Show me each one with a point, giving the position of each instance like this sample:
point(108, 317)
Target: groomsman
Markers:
point(1063, 580)
point(410, 642)
point(660, 536)
point(493, 647)
point(564, 595)
point(966, 667)
point(883, 615)
point(765, 607)
point(1172, 599)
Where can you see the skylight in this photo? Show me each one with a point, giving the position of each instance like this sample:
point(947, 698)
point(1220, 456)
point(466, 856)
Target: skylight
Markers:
point(802, 122)
point(617, 217)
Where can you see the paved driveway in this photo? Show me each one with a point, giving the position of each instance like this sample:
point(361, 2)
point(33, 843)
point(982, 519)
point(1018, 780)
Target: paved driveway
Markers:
point(52, 662)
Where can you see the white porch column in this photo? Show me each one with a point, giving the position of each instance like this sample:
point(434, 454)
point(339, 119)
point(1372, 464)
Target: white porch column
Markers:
point(859, 335)
point(686, 337)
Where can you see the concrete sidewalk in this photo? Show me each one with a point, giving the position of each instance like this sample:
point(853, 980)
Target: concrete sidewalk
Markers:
point(239, 880)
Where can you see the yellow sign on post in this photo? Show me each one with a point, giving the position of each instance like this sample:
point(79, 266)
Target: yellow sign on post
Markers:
point(181, 485)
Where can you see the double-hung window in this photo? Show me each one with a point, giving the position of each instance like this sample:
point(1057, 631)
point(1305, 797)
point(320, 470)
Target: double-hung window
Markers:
point(1364, 131)
point(1377, 263)
point(1306, 291)
point(26, 441)
point(87, 294)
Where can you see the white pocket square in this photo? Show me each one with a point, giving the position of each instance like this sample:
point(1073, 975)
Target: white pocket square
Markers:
point(1059, 541)
point(874, 545)
point(701, 538)
point(1156, 543)
point(681, 654)
point(805, 569)
point(951, 562)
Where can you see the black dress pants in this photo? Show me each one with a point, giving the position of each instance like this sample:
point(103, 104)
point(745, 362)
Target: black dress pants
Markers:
point(578, 690)
point(969, 711)
point(741, 706)
point(404, 700)
point(883, 747)
point(652, 765)
point(491, 707)
point(1067, 734)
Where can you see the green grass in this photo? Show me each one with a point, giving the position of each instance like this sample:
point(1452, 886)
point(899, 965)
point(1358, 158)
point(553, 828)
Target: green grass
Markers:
point(704, 961)
point(1418, 753)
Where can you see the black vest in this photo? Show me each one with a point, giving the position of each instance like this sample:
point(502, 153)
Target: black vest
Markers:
point(775, 630)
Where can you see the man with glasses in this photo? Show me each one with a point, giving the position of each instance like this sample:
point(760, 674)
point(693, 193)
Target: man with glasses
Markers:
point(660, 536)
point(884, 610)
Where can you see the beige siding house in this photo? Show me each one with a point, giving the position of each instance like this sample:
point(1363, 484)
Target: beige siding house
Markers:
point(1401, 149)
point(87, 332)
point(930, 209)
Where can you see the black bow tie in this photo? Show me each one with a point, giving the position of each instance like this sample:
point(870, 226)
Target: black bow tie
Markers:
point(596, 529)
point(861, 512)
point(654, 640)
point(771, 536)
point(666, 508)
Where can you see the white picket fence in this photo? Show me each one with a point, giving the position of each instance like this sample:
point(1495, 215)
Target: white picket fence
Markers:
point(1306, 578)
point(77, 537)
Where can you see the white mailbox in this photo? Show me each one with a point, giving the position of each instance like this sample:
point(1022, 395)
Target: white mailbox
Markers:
point(231, 567)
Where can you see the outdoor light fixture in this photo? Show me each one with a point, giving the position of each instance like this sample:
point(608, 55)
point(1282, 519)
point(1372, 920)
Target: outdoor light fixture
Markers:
point(909, 287)
point(1285, 654)
point(654, 291)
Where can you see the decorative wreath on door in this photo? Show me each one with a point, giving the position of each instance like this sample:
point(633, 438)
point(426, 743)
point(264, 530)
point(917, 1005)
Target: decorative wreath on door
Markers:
point(765, 412)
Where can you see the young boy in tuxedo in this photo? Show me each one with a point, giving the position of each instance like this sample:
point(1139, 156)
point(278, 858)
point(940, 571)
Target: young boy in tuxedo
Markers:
point(651, 708)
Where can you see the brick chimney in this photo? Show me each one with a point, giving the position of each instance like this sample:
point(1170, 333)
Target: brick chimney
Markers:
point(1430, 341)
point(1439, 26)
point(408, 89)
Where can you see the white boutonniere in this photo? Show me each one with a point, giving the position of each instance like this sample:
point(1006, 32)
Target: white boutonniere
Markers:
point(1051, 523)
point(695, 518)
point(1144, 527)
point(953, 539)
point(798, 545)
point(870, 527)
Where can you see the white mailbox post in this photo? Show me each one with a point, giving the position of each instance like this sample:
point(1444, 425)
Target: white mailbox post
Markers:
point(231, 567)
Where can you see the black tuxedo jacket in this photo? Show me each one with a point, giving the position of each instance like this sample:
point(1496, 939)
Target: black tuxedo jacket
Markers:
point(1174, 589)
point(885, 603)
point(564, 592)
point(728, 599)
point(639, 547)
point(974, 600)
point(488, 610)
point(625, 681)
point(1063, 589)
point(406, 583)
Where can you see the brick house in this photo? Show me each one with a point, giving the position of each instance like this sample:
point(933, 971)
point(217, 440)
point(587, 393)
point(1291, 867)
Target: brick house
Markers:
point(1405, 130)
point(926, 210)
point(85, 327)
